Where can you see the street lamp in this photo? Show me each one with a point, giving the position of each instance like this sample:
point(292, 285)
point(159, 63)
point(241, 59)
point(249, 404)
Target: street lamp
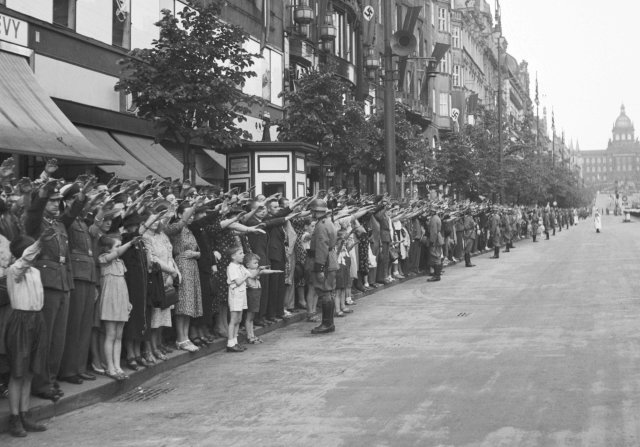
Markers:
point(389, 104)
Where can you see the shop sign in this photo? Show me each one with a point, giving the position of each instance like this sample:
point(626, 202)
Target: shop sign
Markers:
point(14, 30)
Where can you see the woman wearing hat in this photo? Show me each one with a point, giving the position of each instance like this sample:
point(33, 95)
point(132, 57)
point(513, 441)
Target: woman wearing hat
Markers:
point(186, 254)
point(161, 252)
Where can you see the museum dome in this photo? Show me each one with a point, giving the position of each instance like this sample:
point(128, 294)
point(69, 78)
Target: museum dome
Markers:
point(623, 121)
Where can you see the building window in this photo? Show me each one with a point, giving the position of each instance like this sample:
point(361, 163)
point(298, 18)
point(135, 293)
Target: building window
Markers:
point(445, 63)
point(444, 104)
point(455, 37)
point(456, 76)
point(443, 21)
point(433, 103)
point(121, 24)
point(64, 13)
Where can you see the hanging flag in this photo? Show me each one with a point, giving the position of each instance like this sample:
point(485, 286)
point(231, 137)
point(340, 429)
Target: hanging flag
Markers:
point(265, 7)
point(409, 25)
point(537, 96)
point(370, 24)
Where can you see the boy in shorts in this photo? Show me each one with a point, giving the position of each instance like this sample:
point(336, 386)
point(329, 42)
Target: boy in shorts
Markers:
point(251, 262)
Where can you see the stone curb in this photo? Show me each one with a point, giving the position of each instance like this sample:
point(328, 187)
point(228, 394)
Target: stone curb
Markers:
point(103, 388)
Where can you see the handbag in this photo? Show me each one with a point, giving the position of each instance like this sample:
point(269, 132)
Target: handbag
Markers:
point(158, 295)
point(170, 297)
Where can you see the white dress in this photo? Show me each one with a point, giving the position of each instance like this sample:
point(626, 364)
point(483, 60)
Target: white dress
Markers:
point(160, 249)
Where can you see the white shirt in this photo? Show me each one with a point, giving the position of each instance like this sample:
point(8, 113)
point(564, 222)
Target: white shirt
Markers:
point(23, 282)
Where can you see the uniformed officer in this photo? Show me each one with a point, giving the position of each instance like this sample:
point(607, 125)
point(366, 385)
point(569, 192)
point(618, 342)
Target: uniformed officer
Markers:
point(82, 298)
point(325, 263)
point(505, 228)
point(494, 232)
point(56, 275)
point(469, 233)
point(436, 241)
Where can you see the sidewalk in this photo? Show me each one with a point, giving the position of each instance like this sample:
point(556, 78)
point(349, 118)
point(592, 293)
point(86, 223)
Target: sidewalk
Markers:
point(103, 388)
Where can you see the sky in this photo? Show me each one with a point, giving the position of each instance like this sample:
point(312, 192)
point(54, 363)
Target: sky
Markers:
point(587, 56)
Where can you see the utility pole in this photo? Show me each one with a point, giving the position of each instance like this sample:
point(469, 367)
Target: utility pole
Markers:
point(499, 29)
point(553, 139)
point(389, 103)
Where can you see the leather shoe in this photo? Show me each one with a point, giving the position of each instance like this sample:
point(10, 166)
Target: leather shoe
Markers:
point(51, 395)
point(235, 348)
point(72, 379)
point(433, 279)
point(87, 376)
point(322, 329)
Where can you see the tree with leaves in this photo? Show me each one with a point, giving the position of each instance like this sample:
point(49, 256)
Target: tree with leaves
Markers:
point(321, 111)
point(189, 81)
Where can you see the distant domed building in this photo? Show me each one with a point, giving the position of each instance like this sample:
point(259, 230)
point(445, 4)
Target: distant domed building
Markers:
point(619, 164)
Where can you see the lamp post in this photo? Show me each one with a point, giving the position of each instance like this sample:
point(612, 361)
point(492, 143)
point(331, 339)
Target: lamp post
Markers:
point(499, 29)
point(389, 104)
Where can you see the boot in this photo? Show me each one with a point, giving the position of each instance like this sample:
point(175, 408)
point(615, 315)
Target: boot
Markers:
point(328, 307)
point(15, 426)
point(534, 238)
point(467, 260)
point(437, 269)
point(496, 253)
point(29, 424)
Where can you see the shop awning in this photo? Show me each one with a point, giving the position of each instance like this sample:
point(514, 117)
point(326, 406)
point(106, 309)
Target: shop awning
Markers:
point(31, 123)
point(210, 164)
point(133, 168)
point(154, 155)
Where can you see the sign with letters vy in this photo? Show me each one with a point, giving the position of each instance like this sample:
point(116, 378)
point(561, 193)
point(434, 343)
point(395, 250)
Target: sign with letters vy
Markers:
point(14, 30)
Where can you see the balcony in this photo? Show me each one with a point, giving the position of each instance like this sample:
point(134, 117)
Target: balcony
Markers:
point(415, 106)
point(300, 48)
point(345, 69)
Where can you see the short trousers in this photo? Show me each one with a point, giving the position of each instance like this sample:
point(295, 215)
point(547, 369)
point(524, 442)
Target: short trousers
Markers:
point(253, 300)
point(237, 301)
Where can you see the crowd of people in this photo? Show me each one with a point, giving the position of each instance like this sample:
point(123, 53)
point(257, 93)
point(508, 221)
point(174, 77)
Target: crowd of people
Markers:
point(158, 265)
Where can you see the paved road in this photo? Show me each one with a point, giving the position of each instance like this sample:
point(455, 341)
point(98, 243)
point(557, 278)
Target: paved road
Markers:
point(540, 348)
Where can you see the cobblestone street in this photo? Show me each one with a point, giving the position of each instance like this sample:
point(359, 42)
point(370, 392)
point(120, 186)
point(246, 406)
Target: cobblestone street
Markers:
point(539, 348)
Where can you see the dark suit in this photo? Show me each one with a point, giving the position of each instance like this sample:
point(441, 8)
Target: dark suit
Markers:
point(385, 240)
point(271, 249)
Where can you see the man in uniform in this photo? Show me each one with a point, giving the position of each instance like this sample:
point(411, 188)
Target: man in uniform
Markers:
point(494, 232)
point(82, 297)
point(469, 233)
point(436, 241)
point(534, 223)
point(505, 228)
point(56, 275)
point(325, 263)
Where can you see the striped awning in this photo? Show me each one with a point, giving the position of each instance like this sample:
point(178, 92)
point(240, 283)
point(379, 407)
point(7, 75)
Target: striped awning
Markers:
point(153, 155)
point(31, 123)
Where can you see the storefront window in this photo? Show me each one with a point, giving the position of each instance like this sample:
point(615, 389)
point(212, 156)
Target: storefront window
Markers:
point(64, 13)
point(121, 23)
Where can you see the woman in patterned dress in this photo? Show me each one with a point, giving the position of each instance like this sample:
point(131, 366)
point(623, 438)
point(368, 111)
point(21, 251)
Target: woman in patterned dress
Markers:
point(186, 254)
point(160, 252)
point(223, 235)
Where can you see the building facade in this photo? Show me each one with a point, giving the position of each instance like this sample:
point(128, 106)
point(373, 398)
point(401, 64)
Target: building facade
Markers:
point(617, 166)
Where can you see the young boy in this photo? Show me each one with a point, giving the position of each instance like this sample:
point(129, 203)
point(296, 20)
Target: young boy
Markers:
point(251, 262)
point(237, 276)
point(26, 334)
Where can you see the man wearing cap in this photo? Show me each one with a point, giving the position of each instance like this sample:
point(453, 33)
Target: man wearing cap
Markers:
point(56, 274)
point(436, 241)
point(73, 368)
point(325, 263)
point(469, 233)
point(494, 234)
point(382, 217)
